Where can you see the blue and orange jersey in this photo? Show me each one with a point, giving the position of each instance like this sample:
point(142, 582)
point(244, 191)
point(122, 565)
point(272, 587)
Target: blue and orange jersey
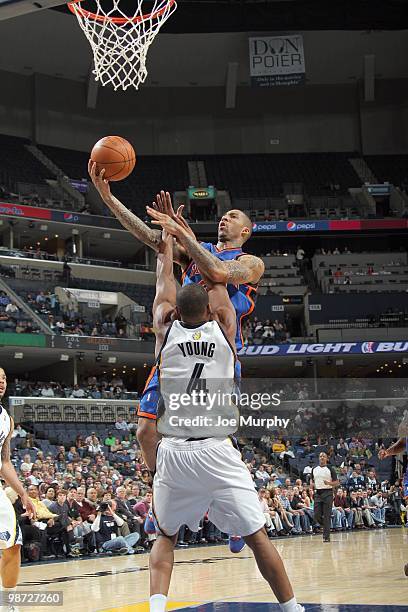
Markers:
point(242, 296)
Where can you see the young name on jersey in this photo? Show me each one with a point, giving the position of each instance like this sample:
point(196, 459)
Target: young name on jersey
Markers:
point(200, 349)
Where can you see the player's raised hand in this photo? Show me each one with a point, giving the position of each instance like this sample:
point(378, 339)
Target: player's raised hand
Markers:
point(167, 223)
point(164, 205)
point(99, 180)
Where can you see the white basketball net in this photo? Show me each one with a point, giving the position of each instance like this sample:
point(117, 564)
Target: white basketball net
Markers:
point(120, 42)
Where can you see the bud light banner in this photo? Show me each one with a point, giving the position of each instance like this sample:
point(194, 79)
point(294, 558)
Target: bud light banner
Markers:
point(329, 348)
point(277, 60)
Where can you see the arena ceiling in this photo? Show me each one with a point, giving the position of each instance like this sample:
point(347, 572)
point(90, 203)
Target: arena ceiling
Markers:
point(254, 15)
point(194, 60)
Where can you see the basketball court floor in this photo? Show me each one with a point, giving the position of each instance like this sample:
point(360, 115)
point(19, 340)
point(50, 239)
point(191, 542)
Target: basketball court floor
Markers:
point(357, 572)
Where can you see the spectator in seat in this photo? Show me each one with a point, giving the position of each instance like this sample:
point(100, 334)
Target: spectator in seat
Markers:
point(125, 510)
point(269, 331)
point(366, 509)
point(106, 528)
point(63, 524)
point(41, 509)
point(12, 309)
point(121, 424)
point(81, 529)
point(142, 507)
point(94, 446)
point(78, 392)
point(372, 482)
point(300, 255)
point(49, 496)
point(341, 504)
point(47, 391)
point(292, 516)
point(110, 440)
point(134, 494)
point(378, 503)
point(35, 476)
point(356, 508)
point(19, 432)
point(356, 482)
point(262, 474)
point(297, 509)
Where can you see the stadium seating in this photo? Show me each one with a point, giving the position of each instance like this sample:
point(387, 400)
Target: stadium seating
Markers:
point(389, 168)
point(281, 276)
point(258, 176)
point(361, 272)
point(17, 164)
point(150, 175)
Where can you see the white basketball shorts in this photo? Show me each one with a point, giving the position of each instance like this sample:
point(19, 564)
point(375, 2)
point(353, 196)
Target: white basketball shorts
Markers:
point(209, 475)
point(10, 532)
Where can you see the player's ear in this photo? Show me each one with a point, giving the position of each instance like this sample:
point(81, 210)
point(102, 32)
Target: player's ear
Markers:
point(245, 232)
point(176, 315)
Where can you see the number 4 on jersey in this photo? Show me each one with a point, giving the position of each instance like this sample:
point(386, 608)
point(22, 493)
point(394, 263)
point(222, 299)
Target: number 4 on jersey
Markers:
point(197, 383)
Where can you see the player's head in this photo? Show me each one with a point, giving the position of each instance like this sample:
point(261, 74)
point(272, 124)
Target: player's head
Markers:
point(3, 383)
point(192, 304)
point(235, 226)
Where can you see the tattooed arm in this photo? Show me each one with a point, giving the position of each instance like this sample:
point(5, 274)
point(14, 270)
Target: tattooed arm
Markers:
point(248, 269)
point(9, 474)
point(130, 221)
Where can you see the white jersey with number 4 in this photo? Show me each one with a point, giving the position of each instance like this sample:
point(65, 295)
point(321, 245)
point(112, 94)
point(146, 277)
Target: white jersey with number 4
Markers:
point(201, 471)
point(196, 352)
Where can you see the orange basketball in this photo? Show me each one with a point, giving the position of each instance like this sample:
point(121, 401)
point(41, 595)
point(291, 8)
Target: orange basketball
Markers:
point(116, 155)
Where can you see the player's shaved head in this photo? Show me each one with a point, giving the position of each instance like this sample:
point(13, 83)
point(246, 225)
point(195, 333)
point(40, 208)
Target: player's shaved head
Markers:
point(193, 304)
point(235, 227)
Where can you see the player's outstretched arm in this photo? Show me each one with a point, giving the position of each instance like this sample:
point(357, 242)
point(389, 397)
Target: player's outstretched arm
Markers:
point(9, 474)
point(129, 220)
point(166, 291)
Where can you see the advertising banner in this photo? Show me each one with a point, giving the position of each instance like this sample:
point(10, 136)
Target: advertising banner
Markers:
point(277, 60)
point(328, 348)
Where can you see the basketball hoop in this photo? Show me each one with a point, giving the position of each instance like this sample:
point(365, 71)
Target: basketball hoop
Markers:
point(120, 42)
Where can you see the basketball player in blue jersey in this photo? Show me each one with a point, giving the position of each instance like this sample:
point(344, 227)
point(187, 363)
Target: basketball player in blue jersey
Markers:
point(10, 532)
point(192, 475)
point(224, 262)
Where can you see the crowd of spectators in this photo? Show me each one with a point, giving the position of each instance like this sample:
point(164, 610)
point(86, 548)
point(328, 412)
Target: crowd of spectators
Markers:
point(101, 387)
point(66, 320)
point(265, 332)
point(90, 500)
point(14, 320)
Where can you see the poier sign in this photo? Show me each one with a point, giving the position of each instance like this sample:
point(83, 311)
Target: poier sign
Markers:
point(277, 60)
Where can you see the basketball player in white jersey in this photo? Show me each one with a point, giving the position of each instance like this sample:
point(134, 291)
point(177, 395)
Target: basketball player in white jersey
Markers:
point(10, 533)
point(198, 474)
